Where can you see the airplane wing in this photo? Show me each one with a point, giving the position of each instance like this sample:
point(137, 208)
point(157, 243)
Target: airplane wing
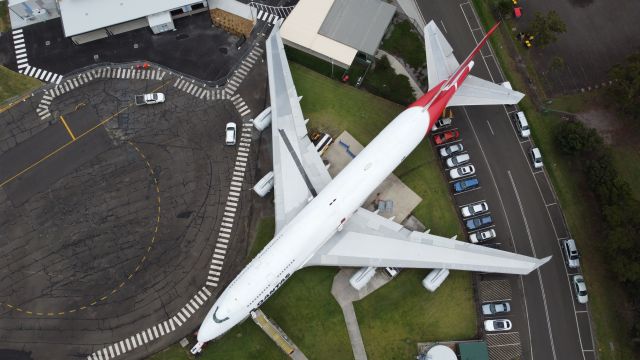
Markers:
point(441, 64)
point(299, 173)
point(368, 239)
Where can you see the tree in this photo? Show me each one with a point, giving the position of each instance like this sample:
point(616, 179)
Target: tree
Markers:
point(503, 7)
point(625, 90)
point(576, 139)
point(546, 28)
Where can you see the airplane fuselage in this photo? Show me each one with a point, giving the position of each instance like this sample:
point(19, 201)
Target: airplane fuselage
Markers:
point(324, 215)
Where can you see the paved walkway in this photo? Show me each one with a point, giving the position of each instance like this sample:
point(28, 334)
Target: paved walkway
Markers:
point(345, 295)
point(399, 69)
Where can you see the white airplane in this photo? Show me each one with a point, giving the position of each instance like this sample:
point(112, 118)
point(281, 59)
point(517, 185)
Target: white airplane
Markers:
point(319, 221)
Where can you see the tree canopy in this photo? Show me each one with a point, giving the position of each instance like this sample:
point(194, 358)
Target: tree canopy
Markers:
point(545, 28)
point(625, 90)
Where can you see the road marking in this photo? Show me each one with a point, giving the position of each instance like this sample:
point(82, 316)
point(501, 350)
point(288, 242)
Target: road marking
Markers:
point(445, 29)
point(66, 126)
point(544, 297)
point(489, 124)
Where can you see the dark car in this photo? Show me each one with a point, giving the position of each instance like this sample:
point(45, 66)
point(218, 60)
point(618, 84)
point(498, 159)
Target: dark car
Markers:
point(466, 184)
point(446, 136)
point(479, 222)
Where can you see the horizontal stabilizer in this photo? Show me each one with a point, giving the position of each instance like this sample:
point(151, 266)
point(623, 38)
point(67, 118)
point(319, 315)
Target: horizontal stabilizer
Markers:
point(475, 91)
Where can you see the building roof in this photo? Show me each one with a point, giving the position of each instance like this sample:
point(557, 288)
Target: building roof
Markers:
point(358, 23)
point(302, 25)
point(81, 16)
point(473, 350)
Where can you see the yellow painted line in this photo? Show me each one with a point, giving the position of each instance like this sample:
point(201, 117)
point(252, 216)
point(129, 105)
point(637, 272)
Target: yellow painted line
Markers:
point(5, 182)
point(66, 126)
point(9, 106)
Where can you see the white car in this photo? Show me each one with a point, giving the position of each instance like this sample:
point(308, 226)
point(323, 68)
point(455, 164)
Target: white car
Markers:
point(571, 253)
point(462, 171)
point(230, 133)
point(536, 158)
point(450, 150)
point(581, 289)
point(481, 236)
point(474, 209)
point(497, 325)
point(496, 308)
point(458, 160)
point(442, 123)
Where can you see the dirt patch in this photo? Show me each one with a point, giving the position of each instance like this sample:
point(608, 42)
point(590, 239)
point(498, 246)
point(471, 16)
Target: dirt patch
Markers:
point(604, 121)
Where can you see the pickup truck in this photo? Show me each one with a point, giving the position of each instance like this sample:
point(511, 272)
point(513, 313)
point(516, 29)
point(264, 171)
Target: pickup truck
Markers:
point(148, 99)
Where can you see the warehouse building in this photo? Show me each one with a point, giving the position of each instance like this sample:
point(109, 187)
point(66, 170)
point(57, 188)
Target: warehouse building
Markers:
point(337, 30)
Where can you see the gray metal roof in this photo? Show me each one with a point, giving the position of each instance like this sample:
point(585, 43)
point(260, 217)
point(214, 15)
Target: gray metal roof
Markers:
point(358, 23)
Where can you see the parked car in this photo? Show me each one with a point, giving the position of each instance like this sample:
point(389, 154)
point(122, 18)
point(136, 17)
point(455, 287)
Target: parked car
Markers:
point(474, 209)
point(497, 325)
point(230, 131)
point(466, 184)
point(482, 236)
point(462, 171)
point(458, 160)
point(442, 123)
point(446, 136)
point(536, 158)
point(149, 99)
point(581, 289)
point(521, 124)
point(571, 253)
point(451, 149)
point(479, 222)
point(496, 308)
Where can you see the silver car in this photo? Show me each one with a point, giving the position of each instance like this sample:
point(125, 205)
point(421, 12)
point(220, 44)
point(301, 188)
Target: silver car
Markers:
point(497, 325)
point(462, 171)
point(571, 253)
point(474, 209)
point(450, 150)
point(481, 236)
point(496, 308)
point(581, 289)
point(458, 160)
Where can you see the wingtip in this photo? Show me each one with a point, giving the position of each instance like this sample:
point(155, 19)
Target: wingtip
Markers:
point(545, 260)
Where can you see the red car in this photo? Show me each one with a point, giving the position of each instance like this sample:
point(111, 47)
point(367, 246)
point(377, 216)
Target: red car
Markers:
point(446, 136)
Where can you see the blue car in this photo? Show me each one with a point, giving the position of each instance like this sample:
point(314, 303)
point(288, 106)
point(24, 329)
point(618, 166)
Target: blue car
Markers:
point(479, 222)
point(466, 184)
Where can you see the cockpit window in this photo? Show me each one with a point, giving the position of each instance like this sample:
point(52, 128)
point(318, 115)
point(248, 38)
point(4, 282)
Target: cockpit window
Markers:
point(215, 318)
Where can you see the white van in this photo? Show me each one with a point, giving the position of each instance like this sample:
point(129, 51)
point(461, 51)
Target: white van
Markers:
point(435, 278)
point(362, 277)
point(521, 124)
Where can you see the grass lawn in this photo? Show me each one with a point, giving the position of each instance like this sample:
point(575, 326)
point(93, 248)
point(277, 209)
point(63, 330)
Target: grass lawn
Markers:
point(12, 83)
point(383, 81)
point(405, 42)
point(606, 297)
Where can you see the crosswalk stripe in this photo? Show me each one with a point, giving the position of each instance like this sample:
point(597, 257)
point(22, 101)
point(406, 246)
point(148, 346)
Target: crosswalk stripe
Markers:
point(21, 61)
point(21, 51)
point(44, 74)
point(17, 31)
point(18, 36)
point(59, 79)
point(50, 75)
point(19, 46)
point(18, 41)
point(24, 66)
point(37, 73)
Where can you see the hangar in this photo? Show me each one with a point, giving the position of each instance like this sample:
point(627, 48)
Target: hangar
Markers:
point(337, 30)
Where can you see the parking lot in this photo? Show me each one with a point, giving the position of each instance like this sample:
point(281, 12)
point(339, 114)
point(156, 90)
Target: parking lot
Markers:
point(525, 213)
point(109, 209)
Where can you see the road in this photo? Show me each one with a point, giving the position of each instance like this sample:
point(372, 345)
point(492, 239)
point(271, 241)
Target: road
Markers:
point(528, 218)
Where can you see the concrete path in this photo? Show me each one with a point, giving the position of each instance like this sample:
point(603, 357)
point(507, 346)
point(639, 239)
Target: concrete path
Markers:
point(346, 295)
point(399, 69)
